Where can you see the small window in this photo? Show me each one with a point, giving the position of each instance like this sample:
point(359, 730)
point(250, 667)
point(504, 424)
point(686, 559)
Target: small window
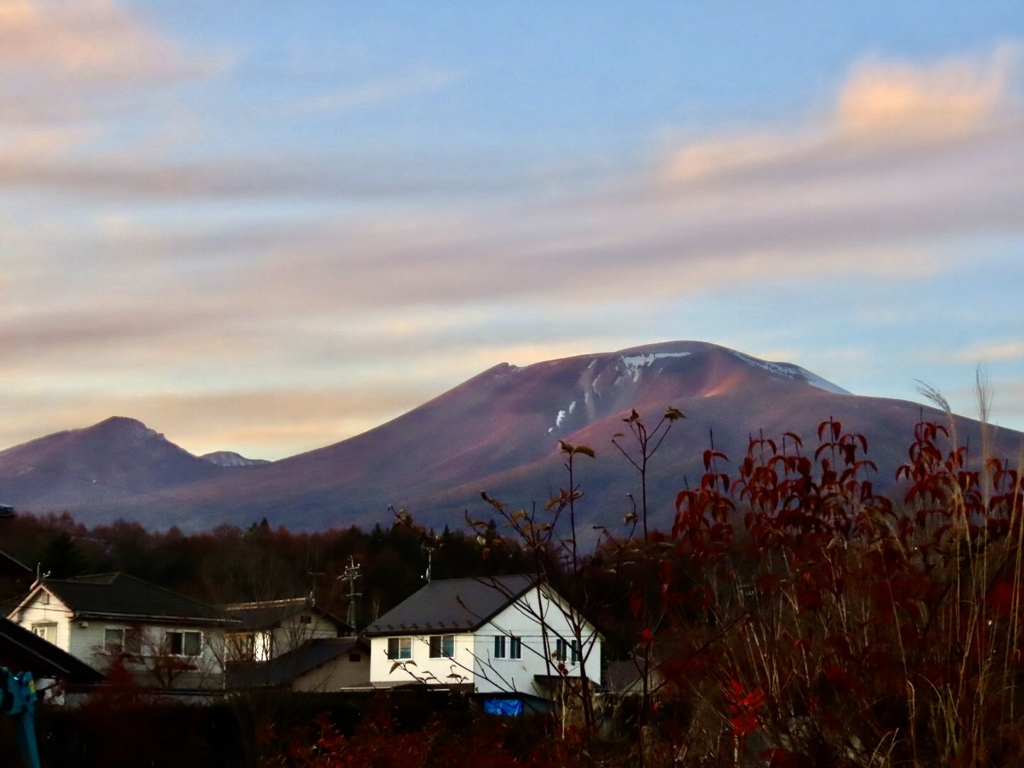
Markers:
point(185, 643)
point(399, 647)
point(442, 646)
point(305, 619)
point(515, 647)
point(113, 639)
point(567, 651)
point(354, 657)
point(499, 646)
point(46, 630)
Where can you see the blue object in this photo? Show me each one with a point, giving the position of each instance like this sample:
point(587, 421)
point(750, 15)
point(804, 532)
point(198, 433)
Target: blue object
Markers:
point(18, 699)
point(506, 707)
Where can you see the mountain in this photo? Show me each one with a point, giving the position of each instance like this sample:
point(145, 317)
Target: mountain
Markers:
point(94, 465)
point(497, 432)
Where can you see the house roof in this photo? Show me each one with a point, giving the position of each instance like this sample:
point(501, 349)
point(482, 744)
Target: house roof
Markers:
point(126, 598)
point(452, 605)
point(22, 651)
point(270, 613)
point(285, 668)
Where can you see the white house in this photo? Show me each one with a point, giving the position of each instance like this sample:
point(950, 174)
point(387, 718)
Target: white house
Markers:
point(114, 621)
point(501, 635)
point(270, 628)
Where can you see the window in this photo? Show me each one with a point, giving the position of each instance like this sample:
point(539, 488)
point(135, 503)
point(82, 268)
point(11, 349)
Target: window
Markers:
point(122, 640)
point(442, 646)
point(46, 630)
point(354, 657)
point(399, 647)
point(515, 650)
point(305, 618)
point(565, 650)
point(185, 643)
point(499, 646)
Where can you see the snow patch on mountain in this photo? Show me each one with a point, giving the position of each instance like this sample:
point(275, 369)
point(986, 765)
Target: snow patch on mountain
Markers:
point(562, 414)
point(231, 459)
point(791, 371)
point(635, 363)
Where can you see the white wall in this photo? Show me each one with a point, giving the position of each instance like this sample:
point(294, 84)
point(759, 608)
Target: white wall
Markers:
point(531, 618)
point(437, 671)
point(539, 621)
point(37, 612)
point(85, 640)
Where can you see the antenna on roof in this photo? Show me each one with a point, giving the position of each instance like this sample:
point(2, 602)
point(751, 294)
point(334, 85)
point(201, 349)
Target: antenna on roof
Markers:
point(430, 546)
point(311, 600)
point(350, 575)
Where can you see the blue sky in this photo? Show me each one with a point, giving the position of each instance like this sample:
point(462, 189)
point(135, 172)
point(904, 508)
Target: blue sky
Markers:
point(266, 227)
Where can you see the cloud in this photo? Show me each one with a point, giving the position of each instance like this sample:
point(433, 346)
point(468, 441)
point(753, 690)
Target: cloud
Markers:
point(86, 42)
point(151, 276)
point(954, 96)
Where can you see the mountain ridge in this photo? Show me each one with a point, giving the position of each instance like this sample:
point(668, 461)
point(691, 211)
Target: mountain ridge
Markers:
point(498, 432)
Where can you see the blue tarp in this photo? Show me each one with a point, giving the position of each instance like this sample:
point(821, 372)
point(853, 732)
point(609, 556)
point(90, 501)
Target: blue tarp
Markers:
point(507, 707)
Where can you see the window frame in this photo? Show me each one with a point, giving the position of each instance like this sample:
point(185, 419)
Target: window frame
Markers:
point(128, 642)
point(441, 646)
point(515, 647)
point(500, 647)
point(47, 630)
point(567, 650)
point(183, 646)
point(399, 648)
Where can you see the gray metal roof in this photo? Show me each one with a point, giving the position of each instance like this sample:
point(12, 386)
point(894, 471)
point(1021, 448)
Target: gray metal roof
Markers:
point(21, 651)
point(282, 670)
point(126, 598)
point(452, 605)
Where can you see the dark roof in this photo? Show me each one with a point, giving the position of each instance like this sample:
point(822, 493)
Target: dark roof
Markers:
point(22, 651)
point(270, 614)
point(124, 597)
point(460, 605)
point(283, 669)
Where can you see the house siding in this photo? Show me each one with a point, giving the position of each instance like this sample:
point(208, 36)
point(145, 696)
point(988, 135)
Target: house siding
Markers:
point(537, 619)
point(84, 639)
point(338, 675)
point(455, 670)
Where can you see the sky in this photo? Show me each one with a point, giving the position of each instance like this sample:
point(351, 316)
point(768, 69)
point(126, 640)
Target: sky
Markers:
point(265, 227)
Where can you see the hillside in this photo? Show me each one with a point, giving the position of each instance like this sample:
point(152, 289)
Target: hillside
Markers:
point(498, 432)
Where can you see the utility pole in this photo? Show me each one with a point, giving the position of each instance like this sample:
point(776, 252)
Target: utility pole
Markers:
point(430, 546)
point(350, 575)
point(311, 600)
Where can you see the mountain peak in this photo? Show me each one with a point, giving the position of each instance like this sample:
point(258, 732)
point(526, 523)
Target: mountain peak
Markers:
point(123, 427)
point(498, 431)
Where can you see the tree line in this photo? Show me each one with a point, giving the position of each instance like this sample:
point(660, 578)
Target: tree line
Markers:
point(789, 615)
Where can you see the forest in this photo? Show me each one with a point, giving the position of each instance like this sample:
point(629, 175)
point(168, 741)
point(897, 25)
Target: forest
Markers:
point(787, 615)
